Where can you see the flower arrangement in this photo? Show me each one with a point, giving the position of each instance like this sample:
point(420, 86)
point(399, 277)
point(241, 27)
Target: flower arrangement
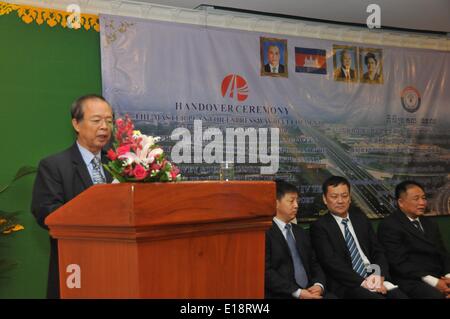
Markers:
point(136, 157)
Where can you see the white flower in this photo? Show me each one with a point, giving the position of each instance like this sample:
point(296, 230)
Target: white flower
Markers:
point(153, 153)
point(146, 154)
point(128, 158)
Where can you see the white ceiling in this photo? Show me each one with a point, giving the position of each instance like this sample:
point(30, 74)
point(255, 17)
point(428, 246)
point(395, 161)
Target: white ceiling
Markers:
point(427, 15)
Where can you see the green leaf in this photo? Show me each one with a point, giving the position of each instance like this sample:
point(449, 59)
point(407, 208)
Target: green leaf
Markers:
point(23, 171)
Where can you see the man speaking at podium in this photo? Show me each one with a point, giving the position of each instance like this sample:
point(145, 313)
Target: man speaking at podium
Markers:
point(63, 176)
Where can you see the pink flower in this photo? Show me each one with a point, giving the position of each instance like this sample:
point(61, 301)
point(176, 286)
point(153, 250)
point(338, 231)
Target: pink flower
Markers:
point(123, 149)
point(174, 172)
point(111, 155)
point(139, 172)
point(155, 166)
point(124, 130)
point(127, 171)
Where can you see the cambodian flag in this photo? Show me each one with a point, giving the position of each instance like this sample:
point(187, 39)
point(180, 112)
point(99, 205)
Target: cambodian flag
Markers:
point(310, 60)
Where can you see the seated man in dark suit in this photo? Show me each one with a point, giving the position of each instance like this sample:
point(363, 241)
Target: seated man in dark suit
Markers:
point(348, 250)
point(291, 268)
point(63, 176)
point(414, 248)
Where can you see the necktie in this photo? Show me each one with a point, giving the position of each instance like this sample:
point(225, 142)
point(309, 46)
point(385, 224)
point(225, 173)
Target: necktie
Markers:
point(416, 224)
point(97, 177)
point(274, 70)
point(357, 262)
point(300, 273)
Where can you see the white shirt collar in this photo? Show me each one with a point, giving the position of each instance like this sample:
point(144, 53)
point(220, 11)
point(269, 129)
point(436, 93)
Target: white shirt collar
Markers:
point(87, 155)
point(281, 224)
point(412, 219)
point(339, 219)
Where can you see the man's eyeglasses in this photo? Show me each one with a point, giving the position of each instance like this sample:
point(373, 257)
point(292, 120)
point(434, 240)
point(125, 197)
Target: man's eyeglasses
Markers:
point(96, 121)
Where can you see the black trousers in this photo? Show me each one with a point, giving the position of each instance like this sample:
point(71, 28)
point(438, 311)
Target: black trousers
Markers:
point(419, 290)
point(362, 293)
point(53, 272)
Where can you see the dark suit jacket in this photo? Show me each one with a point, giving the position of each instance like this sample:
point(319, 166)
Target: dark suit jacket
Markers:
point(280, 68)
point(60, 178)
point(411, 253)
point(279, 273)
point(334, 256)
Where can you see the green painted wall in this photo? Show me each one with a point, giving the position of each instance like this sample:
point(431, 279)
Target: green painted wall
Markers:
point(42, 70)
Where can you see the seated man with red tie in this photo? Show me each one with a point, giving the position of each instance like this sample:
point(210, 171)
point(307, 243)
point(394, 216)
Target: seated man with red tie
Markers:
point(348, 250)
point(291, 267)
point(414, 248)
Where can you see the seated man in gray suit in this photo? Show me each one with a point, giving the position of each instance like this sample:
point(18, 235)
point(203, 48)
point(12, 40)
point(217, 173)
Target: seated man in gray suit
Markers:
point(414, 248)
point(291, 267)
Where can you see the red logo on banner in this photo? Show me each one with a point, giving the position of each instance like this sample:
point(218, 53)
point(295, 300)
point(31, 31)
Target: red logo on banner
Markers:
point(235, 87)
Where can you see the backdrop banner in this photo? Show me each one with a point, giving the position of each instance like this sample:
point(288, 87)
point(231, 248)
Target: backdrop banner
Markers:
point(294, 108)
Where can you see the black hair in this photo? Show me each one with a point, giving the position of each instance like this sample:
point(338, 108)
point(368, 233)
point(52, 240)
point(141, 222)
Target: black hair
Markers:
point(77, 110)
point(368, 56)
point(403, 187)
point(334, 181)
point(284, 188)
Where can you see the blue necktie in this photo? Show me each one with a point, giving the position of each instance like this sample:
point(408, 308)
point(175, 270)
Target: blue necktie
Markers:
point(300, 273)
point(97, 177)
point(357, 261)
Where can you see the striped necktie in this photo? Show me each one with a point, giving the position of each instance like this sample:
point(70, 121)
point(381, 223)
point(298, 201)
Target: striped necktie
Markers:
point(299, 270)
point(357, 261)
point(97, 176)
point(416, 224)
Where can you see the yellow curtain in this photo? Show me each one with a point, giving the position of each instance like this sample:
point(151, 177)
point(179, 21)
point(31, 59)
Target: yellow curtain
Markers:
point(52, 17)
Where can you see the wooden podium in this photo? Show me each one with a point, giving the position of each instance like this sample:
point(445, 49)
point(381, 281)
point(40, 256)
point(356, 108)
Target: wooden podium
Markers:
point(165, 240)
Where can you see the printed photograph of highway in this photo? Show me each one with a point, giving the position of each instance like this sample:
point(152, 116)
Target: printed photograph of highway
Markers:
point(376, 159)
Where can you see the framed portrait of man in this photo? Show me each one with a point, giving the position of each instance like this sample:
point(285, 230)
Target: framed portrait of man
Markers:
point(371, 65)
point(274, 57)
point(345, 63)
